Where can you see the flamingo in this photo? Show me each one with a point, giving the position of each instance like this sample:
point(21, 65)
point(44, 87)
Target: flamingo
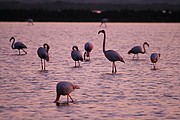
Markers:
point(137, 49)
point(65, 88)
point(43, 54)
point(76, 55)
point(88, 48)
point(17, 45)
point(103, 21)
point(111, 55)
point(154, 58)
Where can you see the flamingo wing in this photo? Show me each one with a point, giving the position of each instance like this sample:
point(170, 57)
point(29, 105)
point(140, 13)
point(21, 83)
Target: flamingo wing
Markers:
point(43, 54)
point(154, 57)
point(19, 45)
point(113, 56)
point(135, 50)
point(64, 88)
point(88, 46)
point(76, 55)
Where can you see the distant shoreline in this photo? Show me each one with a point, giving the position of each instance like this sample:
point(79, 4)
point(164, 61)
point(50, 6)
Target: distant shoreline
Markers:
point(40, 15)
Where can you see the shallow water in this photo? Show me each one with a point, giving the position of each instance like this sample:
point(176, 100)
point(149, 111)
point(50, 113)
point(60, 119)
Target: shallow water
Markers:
point(134, 92)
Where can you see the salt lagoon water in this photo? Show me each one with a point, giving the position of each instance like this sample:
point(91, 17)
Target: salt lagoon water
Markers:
point(134, 92)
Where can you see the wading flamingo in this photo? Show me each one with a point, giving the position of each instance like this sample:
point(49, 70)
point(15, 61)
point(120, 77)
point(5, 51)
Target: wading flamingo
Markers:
point(18, 45)
point(154, 58)
point(65, 88)
point(137, 49)
point(76, 55)
point(104, 21)
point(43, 54)
point(88, 48)
point(111, 55)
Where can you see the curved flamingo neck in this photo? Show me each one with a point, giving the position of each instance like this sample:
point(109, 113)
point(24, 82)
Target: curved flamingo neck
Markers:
point(104, 42)
point(46, 46)
point(75, 48)
point(12, 45)
point(144, 48)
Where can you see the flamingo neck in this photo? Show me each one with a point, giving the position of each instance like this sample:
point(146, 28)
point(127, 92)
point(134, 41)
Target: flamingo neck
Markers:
point(104, 42)
point(12, 45)
point(144, 48)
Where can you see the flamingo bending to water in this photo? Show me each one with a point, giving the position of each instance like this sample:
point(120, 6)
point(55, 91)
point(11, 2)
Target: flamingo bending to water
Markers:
point(65, 88)
point(76, 55)
point(137, 49)
point(111, 55)
point(154, 58)
point(88, 48)
point(43, 54)
point(17, 45)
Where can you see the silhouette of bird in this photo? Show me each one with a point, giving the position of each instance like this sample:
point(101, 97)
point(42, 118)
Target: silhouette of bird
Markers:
point(43, 54)
point(65, 88)
point(137, 49)
point(103, 21)
point(111, 55)
point(154, 58)
point(17, 45)
point(88, 48)
point(76, 55)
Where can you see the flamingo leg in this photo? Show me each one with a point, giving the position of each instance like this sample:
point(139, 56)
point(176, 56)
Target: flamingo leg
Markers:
point(71, 98)
point(78, 63)
point(137, 56)
point(44, 64)
point(57, 98)
point(41, 64)
point(19, 51)
point(67, 99)
point(134, 56)
point(115, 67)
point(24, 51)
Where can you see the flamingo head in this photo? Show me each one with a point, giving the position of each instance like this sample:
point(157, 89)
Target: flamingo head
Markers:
point(145, 43)
point(46, 46)
point(11, 38)
point(76, 87)
point(75, 48)
point(101, 31)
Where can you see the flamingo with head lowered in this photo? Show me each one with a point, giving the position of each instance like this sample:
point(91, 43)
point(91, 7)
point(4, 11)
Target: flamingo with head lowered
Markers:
point(137, 49)
point(88, 48)
point(65, 88)
point(43, 54)
point(111, 55)
point(76, 55)
point(154, 58)
point(18, 45)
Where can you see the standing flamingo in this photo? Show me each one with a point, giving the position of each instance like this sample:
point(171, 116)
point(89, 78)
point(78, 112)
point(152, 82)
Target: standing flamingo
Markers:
point(88, 48)
point(111, 55)
point(43, 54)
point(137, 49)
point(104, 21)
point(154, 58)
point(76, 55)
point(65, 88)
point(17, 45)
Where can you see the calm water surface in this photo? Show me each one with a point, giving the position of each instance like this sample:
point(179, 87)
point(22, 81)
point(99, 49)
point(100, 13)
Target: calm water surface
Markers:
point(135, 92)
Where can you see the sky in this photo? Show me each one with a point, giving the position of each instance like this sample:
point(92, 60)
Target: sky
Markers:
point(105, 1)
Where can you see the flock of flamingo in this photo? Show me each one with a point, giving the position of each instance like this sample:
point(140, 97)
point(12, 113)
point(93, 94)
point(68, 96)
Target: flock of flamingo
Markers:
point(65, 88)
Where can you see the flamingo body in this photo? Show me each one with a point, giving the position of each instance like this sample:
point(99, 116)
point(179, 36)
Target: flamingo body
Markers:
point(76, 55)
point(154, 58)
point(137, 49)
point(43, 54)
point(111, 55)
point(65, 88)
point(88, 48)
point(17, 45)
